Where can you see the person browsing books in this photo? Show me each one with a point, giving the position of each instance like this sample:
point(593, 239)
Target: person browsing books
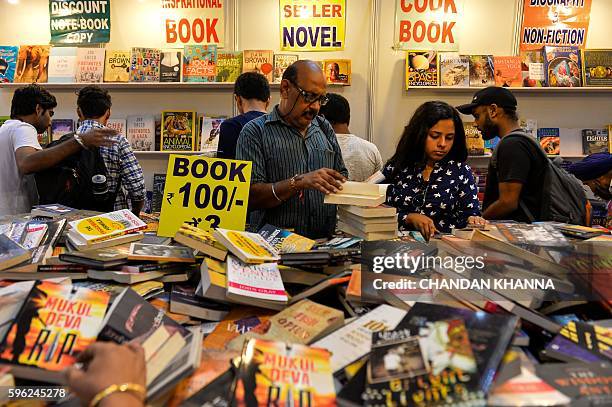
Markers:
point(252, 96)
point(595, 171)
point(124, 171)
point(516, 171)
point(430, 184)
point(21, 154)
point(296, 157)
point(362, 158)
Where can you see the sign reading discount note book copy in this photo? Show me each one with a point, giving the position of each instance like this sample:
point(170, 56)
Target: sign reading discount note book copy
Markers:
point(206, 193)
point(307, 25)
point(80, 22)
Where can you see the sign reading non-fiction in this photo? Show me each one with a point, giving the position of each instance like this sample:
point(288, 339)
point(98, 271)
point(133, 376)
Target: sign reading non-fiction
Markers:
point(425, 25)
point(80, 21)
point(206, 193)
point(555, 23)
point(312, 25)
point(193, 22)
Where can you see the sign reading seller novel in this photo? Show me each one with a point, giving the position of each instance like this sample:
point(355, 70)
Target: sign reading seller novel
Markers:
point(425, 25)
point(80, 22)
point(312, 25)
point(206, 193)
point(193, 22)
point(556, 23)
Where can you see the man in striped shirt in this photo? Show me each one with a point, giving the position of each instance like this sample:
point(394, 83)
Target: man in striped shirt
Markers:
point(296, 157)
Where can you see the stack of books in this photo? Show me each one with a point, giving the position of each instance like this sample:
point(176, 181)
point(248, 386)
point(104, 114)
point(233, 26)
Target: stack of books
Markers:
point(368, 223)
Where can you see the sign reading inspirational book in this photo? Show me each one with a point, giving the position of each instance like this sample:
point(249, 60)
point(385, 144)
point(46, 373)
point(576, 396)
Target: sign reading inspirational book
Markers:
point(312, 25)
point(206, 193)
point(194, 22)
point(426, 25)
point(80, 22)
point(556, 23)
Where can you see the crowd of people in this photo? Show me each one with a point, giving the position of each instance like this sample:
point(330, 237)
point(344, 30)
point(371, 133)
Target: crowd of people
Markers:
point(301, 150)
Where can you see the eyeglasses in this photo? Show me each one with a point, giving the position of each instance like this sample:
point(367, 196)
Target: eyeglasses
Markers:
point(310, 97)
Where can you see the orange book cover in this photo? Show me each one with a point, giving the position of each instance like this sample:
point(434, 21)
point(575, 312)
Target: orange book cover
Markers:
point(276, 373)
point(240, 320)
point(508, 71)
point(55, 324)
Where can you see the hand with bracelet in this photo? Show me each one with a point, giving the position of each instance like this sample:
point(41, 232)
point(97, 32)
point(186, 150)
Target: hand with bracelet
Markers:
point(325, 180)
point(112, 375)
point(97, 138)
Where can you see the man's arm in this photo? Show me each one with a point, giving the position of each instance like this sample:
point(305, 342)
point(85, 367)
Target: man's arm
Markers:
point(507, 203)
point(31, 160)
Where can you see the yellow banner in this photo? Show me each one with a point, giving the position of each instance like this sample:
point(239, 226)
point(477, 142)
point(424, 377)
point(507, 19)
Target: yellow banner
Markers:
point(193, 22)
point(312, 25)
point(206, 193)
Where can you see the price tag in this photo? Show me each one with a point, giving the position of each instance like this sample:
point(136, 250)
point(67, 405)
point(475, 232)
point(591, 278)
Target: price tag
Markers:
point(206, 193)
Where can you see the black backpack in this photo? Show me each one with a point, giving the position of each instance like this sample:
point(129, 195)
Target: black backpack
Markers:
point(70, 181)
point(563, 197)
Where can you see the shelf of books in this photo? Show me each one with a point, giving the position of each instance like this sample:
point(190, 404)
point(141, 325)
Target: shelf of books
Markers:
point(162, 153)
point(534, 90)
point(170, 86)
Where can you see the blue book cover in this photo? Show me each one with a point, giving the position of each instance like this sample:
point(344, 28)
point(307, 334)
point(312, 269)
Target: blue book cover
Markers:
point(549, 138)
point(563, 66)
point(200, 63)
point(8, 63)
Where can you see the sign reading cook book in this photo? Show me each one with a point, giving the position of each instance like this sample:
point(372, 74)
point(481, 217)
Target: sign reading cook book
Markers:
point(80, 22)
point(307, 25)
point(427, 25)
point(193, 22)
point(206, 193)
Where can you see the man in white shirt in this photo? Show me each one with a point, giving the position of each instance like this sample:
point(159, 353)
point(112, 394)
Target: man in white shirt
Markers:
point(362, 158)
point(20, 153)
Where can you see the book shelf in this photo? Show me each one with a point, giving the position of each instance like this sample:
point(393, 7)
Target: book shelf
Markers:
point(543, 90)
point(131, 86)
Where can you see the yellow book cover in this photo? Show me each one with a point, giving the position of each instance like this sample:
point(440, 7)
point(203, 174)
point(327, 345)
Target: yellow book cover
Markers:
point(248, 247)
point(106, 226)
point(178, 132)
point(200, 235)
point(117, 66)
point(337, 71)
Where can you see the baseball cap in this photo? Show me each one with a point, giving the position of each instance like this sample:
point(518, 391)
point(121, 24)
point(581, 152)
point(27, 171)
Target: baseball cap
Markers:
point(502, 97)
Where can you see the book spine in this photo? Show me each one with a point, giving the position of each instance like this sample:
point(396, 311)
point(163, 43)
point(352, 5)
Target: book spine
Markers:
point(142, 268)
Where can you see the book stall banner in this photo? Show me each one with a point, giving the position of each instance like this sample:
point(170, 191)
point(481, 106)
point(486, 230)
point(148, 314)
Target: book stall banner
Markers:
point(427, 25)
point(554, 22)
point(80, 22)
point(206, 193)
point(307, 25)
point(193, 22)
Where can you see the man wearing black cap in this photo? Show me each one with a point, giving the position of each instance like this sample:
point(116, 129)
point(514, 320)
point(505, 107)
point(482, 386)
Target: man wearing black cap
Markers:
point(517, 168)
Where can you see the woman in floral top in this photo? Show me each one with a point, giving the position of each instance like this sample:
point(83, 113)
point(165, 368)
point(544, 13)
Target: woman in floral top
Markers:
point(430, 184)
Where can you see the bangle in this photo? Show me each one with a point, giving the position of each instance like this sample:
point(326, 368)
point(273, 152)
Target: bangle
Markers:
point(292, 182)
point(274, 193)
point(79, 140)
point(138, 390)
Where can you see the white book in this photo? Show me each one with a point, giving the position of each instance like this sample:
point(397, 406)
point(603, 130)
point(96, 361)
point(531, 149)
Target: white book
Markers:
point(354, 340)
point(90, 65)
point(62, 65)
point(141, 132)
point(257, 281)
point(209, 133)
point(120, 125)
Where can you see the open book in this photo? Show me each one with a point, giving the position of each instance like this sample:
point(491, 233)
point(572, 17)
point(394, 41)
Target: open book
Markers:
point(359, 193)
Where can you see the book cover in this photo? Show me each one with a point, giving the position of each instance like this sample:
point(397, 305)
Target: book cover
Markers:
point(178, 131)
point(532, 67)
point(210, 127)
point(239, 321)
point(102, 227)
point(530, 127)
point(56, 323)
point(8, 63)
point(144, 65)
point(597, 339)
point(421, 69)
point(276, 373)
point(60, 127)
point(183, 300)
point(249, 247)
point(170, 66)
point(597, 67)
point(550, 140)
point(281, 62)
point(117, 66)
point(563, 66)
point(229, 66)
point(140, 132)
point(119, 125)
point(11, 253)
point(454, 70)
point(285, 241)
point(481, 71)
point(586, 384)
point(254, 281)
point(396, 355)
point(337, 71)
point(475, 142)
point(200, 240)
point(199, 63)
point(62, 65)
point(32, 64)
point(508, 71)
point(595, 141)
point(159, 182)
point(158, 252)
point(260, 61)
point(90, 65)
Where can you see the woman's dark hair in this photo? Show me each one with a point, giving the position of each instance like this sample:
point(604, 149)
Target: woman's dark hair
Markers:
point(411, 147)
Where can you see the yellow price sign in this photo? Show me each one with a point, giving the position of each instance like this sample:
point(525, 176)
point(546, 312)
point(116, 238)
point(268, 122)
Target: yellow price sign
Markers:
point(206, 193)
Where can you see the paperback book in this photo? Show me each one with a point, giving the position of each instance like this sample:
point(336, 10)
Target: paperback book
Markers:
point(141, 132)
point(421, 69)
point(8, 56)
point(200, 63)
point(532, 67)
point(62, 65)
point(482, 73)
point(117, 66)
point(32, 64)
point(144, 66)
point(550, 140)
point(90, 65)
point(595, 141)
point(281, 62)
point(508, 72)
point(178, 131)
point(454, 70)
point(563, 66)
point(338, 71)
point(210, 128)
point(597, 67)
point(170, 66)
point(229, 66)
point(260, 61)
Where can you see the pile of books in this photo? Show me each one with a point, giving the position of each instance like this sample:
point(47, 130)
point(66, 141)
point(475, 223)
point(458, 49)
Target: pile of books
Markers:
point(368, 223)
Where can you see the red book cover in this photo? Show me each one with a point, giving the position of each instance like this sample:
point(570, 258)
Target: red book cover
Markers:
point(508, 72)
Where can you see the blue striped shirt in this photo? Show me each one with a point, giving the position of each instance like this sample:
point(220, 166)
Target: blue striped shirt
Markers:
point(278, 152)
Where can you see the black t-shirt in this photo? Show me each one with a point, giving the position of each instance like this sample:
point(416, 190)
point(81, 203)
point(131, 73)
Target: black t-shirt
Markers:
point(518, 160)
point(230, 130)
